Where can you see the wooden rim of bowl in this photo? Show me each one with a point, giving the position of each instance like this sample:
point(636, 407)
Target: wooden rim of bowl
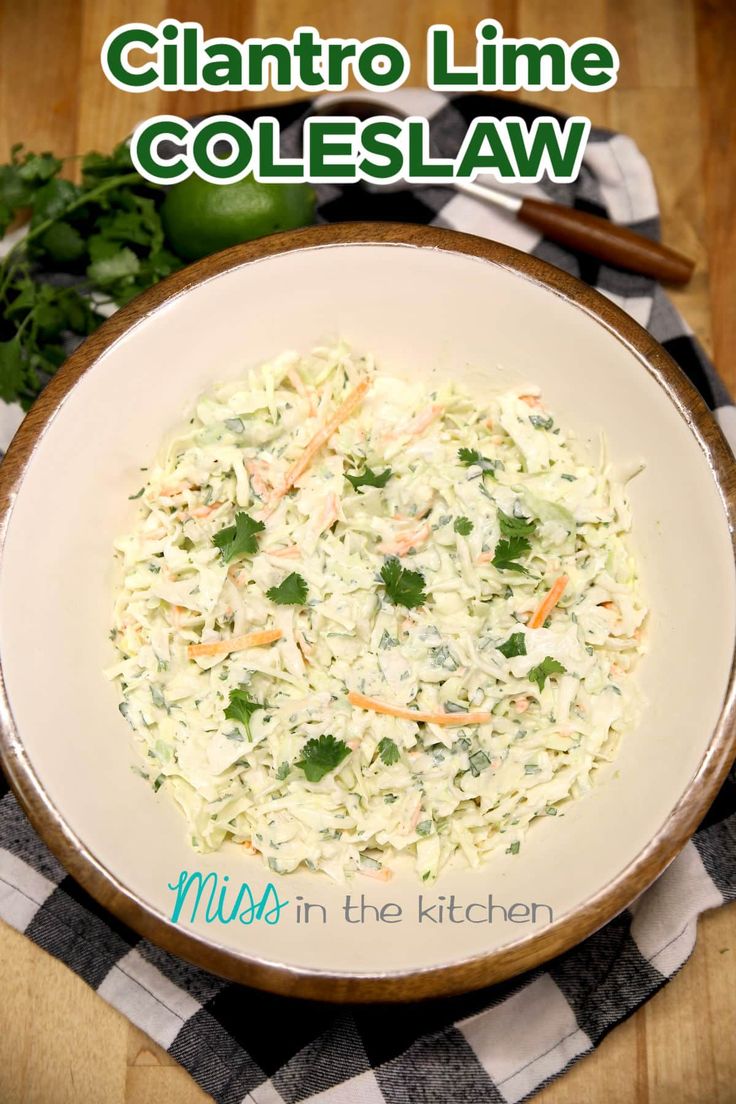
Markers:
point(482, 969)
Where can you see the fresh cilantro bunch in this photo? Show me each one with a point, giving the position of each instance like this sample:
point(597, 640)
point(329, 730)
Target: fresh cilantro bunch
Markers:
point(89, 244)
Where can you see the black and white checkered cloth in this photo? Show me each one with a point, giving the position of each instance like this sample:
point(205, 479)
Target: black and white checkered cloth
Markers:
point(497, 1045)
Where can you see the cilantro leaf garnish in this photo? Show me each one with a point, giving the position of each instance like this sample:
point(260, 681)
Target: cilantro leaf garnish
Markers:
point(463, 526)
point(471, 457)
point(403, 588)
point(539, 421)
point(514, 646)
point(543, 670)
point(508, 552)
point(321, 756)
point(369, 478)
point(291, 592)
point(388, 751)
point(241, 708)
point(238, 539)
point(511, 526)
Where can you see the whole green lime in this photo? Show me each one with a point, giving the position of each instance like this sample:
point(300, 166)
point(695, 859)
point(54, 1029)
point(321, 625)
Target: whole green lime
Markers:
point(200, 218)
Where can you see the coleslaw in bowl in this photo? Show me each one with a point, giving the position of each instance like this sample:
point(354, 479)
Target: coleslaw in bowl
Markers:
point(433, 306)
point(359, 619)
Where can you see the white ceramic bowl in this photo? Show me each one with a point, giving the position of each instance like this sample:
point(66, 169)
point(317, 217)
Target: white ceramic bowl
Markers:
point(430, 304)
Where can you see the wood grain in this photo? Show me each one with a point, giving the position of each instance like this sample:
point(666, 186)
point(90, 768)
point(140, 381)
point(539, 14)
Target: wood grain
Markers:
point(59, 1041)
point(716, 41)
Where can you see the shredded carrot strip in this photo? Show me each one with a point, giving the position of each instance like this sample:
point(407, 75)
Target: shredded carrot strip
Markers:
point(404, 542)
point(296, 382)
point(321, 437)
point(416, 425)
point(485, 557)
point(363, 702)
point(329, 513)
point(289, 552)
point(413, 517)
point(305, 648)
point(531, 400)
point(259, 476)
point(171, 492)
point(384, 875)
point(555, 593)
point(205, 511)
point(235, 643)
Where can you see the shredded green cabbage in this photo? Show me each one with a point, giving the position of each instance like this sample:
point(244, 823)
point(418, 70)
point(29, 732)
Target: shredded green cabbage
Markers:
point(440, 794)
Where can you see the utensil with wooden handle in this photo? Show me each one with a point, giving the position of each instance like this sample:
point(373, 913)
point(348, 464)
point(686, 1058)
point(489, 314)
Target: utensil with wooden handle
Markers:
point(579, 230)
point(573, 229)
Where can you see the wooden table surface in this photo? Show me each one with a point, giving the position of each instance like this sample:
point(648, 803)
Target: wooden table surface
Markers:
point(61, 1043)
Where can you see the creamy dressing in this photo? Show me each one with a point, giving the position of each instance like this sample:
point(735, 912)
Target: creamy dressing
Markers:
point(452, 794)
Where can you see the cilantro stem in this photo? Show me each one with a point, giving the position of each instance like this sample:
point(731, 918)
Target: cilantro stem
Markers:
point(7, 277)
point(22, 325)
point(85, 197)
